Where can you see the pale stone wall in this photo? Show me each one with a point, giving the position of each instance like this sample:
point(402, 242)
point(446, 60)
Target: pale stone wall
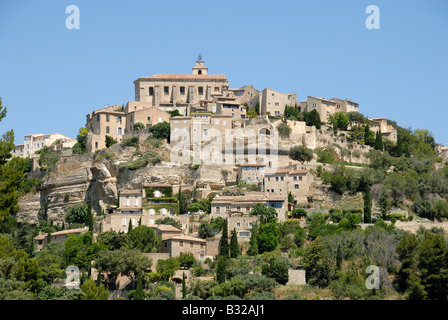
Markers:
point(274, 102)
point(143, 112)
point(297, 277)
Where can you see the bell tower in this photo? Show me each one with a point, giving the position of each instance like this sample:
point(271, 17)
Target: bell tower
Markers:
point(200, 68)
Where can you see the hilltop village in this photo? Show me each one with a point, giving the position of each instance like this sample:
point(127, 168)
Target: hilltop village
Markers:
point(198, 162)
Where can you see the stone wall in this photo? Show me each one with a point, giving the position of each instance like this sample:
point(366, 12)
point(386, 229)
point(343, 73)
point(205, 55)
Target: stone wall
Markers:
point(296, 277)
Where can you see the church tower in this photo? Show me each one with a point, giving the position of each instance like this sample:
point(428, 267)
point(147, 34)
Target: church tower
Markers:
point(200, 68)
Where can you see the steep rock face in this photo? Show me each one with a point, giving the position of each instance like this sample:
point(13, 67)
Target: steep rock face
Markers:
point(64, 187)
point(29, 208)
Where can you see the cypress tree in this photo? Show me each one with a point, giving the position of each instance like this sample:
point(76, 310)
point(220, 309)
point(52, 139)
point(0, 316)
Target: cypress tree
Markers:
point(253, 242)
point(221, 269)
point(130, 226)
point(180, 199)
point(89, 221)
point(184, 286)
point(234, 246)
point(139, 293)
point(224, 242)
point(368, 136)
point(339, 258)
point(379, 141)
point(367, 205)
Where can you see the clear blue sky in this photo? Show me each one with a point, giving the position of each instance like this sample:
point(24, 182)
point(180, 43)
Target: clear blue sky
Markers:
point(51, 77)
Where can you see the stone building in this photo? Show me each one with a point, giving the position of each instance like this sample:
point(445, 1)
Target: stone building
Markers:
point(131, 201)
point(345, 105)
point(229, 205)
point(144, 113)
point(108, 121)
point(178, 91)
point(41, 240)
point(387, 131)
point(274, 102)
point(247, 94)
point(283, 181)
point(175, 245)
point(325, 107)
point(35, 142)
point(251, 173)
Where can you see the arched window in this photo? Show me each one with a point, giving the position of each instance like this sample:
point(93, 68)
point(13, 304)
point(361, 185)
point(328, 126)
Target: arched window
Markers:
point(199, 71)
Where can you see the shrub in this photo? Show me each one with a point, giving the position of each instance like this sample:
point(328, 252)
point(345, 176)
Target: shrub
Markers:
point(130, 142)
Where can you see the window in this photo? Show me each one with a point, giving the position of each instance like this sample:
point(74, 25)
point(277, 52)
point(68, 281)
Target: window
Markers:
point(296, 186)
point(238, 224)
point(191, 244)
point(244, 234)
point(216, 89)
point(216, 121)
point(160, 119)
point(107, 118)
point(166, 90)
point(97, 117)
point(181, 243)
point(148, 121)
point(136, 202)
point(151, 91)
point(205, 132)
point(224, 122)
point(118, 119)
point(282, 178)
point(202, 246)
point(107, 129)
point(200, 91)
point(218, 209)
point(96, 145)
point(127, 201)
point(276, 178)
point(119, 131)
point(123, 222)
point(300, 178)
point(182, 90)
point(295, 178)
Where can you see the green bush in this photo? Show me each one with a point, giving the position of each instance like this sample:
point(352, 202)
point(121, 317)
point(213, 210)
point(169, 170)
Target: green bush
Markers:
point(130, 142)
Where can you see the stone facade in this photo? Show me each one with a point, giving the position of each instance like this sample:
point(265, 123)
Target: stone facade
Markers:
point(283, 181)
point(178, 244)
point(297, 277)
point(142, 112)
point(248, 94)
point(174, 91)
point(274, 102)
point(229, 205)
point(41, 240)
point(110, 121)
point(35, 142)
point(251, 173)
point(387, 131)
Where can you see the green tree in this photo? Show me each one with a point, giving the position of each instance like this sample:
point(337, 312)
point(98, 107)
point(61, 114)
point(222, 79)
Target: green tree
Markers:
point(112, 239)
point(89, 218)
point(367, 205)
point(78, 213)
point(161, 130)
point(407, 254)
point(284, 130)
point(268, 236)
point(301, 154)
point(138, 126)
point(369, 138)
point(186, 259)
point(166, 268)
point(316, 264)
point(184, 286)
point(253, 242)
point(224, 241)
point(139, 293)
point(143, 238)
point(80, 146)
point(384, 202)
point(110, 141)
point(94, 292)
point(265, 213)
point(379, 141)
point(312, 118)
point(221, 272)
point(433, 266)
point(234, 246)
point(339, 120)
point(277, 269)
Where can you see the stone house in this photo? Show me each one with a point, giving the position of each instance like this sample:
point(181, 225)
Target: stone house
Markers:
point(41, 240)
point(323, 106)
point(345, 105)
point(274, 102)
point(137, 111)
point(387, 131)
point(251, 173)
point(225, 206)
point(247, 94)
point(177, 91)
point(283, 181)
point(131, 201)
point(175, 245)
point(110, 121)
point(35, 142)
